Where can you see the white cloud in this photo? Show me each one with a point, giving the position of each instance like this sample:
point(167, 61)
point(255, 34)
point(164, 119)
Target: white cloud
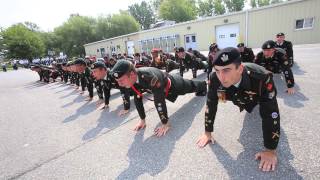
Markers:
point(49, 14)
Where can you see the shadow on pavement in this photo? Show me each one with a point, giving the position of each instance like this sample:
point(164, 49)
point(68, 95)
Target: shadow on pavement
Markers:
point(110, 119)
point(35, 84)
point(83, 110)
point(296, 69)
point(152, 155)
point(296, 100)
point(245, 166)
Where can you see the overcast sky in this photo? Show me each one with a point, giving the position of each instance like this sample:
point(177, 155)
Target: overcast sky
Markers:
point(49, 14)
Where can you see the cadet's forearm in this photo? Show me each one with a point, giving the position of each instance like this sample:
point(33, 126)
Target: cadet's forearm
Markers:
point(270, 123)
point(125, 93)
point(139, 105)
point(289, 77)
point(160, 103)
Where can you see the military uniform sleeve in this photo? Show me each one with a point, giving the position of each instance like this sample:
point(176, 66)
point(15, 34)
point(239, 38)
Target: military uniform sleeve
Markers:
point(212, 103)
point(258, 59)
point(269, 112)
point(99, 89)
point(251, 55)
point(158, 83)
point(106, 91)
point(285, 64)
point(290, 53)
point(160, 104)
point(125, 94)
point(139, 105)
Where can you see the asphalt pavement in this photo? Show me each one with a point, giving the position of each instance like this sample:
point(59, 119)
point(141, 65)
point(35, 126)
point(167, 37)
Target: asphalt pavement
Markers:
point(48, 131)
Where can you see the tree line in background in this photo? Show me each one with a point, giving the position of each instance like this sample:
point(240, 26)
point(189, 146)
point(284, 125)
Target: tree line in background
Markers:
point(27, 41)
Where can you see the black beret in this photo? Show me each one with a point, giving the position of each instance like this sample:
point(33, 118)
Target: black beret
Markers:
point(269, 44)
point(280, 34)
point(120, 68)
point(227, 56)
point(98, 64)
point(70, 63)
point(181, 49)
point(35, 66)
point(240, 45)
point(80, 61)
point(213, 46)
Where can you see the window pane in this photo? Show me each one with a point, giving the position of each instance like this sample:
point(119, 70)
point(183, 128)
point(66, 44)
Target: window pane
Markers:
point(187, 39)
point(308, 22)
point(299, 23)
point(233, 35)
point(193, 38)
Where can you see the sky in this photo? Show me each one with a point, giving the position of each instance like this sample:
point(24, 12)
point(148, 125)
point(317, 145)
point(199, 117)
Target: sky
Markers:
point(48, 14)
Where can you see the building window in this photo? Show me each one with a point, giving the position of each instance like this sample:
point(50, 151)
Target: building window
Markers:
point(97, 50)
point(187, 39)
point(306, 23)
point(193, 38)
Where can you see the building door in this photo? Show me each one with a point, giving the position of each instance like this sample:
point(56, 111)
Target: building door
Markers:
point(130, 48)
point(190, 41)
point(227, 35)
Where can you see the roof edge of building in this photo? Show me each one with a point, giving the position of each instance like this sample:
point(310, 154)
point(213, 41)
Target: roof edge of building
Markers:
point(199, 20)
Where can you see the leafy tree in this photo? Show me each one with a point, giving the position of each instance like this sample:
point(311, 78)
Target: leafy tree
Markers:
point(234, 5)
point(123, 23)
point(22, 43)
point(143, 13)
point(211, 7)
point(50, 41)
point(178, 10)
point(260, 3)
point(71, 36)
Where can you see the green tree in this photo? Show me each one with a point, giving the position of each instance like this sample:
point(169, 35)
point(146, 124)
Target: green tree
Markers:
point(22, 43)
point(31, 26)
point(253, 3)
point(50, 41)
point(260, 3)
point(143, 13)
point(211, 7)
point(73, 34)
point(178, 10)
point(123, 23)
point(103, 27)
point(234, 5)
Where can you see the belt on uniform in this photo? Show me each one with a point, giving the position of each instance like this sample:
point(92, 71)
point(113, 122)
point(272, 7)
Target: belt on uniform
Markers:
point(141, 95)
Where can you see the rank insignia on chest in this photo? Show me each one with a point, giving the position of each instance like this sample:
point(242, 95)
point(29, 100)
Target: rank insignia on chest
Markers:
point(221, 95)
point(250, 93)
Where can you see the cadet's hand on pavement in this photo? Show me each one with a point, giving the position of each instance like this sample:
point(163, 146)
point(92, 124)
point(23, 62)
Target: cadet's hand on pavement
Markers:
point(88, 99)
point(290, 91)
point(268, 160)
point(140, 125)
point(123, 112)
point(160, 131)
point(205, 139)
point(99, 102)
point(104, 107)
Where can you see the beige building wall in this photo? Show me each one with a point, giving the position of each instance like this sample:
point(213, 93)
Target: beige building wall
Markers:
point(203, 29)
point(264, 24)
